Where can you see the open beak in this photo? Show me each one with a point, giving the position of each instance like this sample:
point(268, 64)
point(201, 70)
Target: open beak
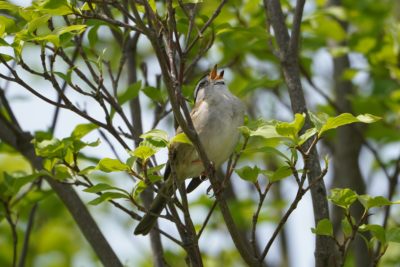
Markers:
point(214, 74)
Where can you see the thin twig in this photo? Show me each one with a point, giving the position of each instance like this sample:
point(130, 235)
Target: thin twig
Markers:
point(203, 226)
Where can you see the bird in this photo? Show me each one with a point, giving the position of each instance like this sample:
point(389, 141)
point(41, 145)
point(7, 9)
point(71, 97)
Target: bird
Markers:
point(217, 115)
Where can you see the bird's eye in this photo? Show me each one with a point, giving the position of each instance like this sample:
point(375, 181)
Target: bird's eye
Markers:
point(202, 84)
point(220, 82)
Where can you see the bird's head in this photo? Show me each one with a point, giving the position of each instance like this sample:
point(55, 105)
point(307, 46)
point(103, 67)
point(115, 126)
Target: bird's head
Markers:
point(210, 82)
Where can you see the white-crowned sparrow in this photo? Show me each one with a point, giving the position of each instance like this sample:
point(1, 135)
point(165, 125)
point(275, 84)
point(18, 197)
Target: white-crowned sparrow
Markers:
point(216, 116)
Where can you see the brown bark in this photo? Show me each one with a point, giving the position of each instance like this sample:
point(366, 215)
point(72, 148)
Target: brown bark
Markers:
point(288, 56)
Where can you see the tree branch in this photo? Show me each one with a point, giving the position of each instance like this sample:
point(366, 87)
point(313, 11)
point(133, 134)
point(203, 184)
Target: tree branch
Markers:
point(289, 61)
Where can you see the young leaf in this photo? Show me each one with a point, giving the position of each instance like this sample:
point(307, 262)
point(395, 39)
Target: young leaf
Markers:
point(143, 152)
point(266, 150)
point(248, 173)
point(98, 188)
point(346, 227)
point(153, 93)
point(77, 29)
point(280, 173)
point(83, 129)
point(307, 135)
point(371, 202)
point(130, 93)
point(111, 165)
point(324, 227)
point(344, 119)
point(180, 138)
point(61, 172)
point(107, 196)
point(291, 129)
point(343, 198)
point(156, 134)
point(393, 235)
point(139, 187)
point(87, 170)
point(266, 131)
point(318, 119)
point(376, 230)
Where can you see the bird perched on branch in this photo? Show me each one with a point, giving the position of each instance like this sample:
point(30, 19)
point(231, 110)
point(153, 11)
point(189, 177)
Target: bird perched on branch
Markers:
point(216, 116)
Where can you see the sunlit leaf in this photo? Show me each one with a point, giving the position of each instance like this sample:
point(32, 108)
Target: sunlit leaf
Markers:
point(111, 165)
point(343, 197)
point(393, 235)
point(130, 93)
point(180, 138)
point(280, 173)
point(324, 227)
point(371, 202)
point(83, 129)
point(376, 230)
point(248, 173)
point(291, 129)
point(153, 93)
point(107, 196)
point(346, 118)
point(143, 152)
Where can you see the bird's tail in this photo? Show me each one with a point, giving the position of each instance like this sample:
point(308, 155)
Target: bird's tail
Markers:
point(150, 218)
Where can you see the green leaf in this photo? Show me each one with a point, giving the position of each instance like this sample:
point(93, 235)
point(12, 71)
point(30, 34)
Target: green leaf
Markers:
point(180, 138)
point(12, 183)
point(61, 172)
point(153, 93)
point(154, 178)
point(343, 198)
point(280, 173)
point(98, 188)
point(38, 22)
point(87, 6)
point(77, 29)
point(346, 227)
point(266, 131)
point(139, 187)
point(291, 129)
point(111, 165)
point(49, 148)
point(8, 6)
point(371, 202)
point(143, 152)
point(346, 118)
point(152, 4)
point(337, 12)
point(248, 173)
point(69, 156)
point(83, 129)
point(156, 168)
point(318, 119)
point(6, 57)
point(107, 196)
point(245, 131)
point(324, 227)
point(327, 27)
point(267, 150)
point(393, 235)
point(93, 36)
point(52, 38)
point(377, 231)
point(155, 139)
point(156, 134)
point(307, 135)
point(87, 170)
point(130, 93)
